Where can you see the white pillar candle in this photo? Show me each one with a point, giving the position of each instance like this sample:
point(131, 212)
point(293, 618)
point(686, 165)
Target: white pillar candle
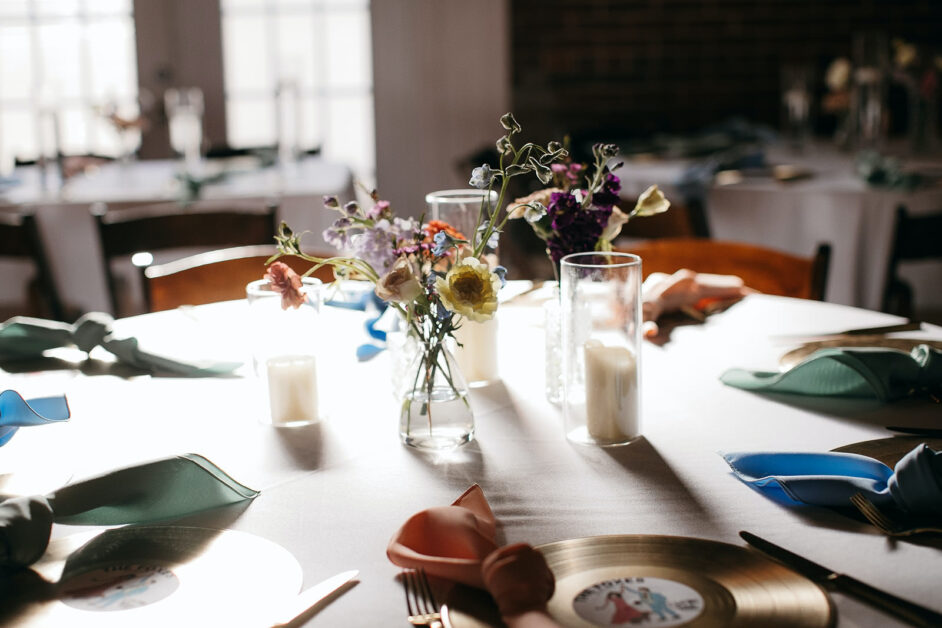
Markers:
point(292, 389)
point(477, 355)
point(611, 392)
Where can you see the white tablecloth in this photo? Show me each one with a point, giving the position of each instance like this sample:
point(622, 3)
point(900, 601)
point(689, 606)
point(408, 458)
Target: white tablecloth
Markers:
point(68, 229)
point(835, 206)
point(333, 494)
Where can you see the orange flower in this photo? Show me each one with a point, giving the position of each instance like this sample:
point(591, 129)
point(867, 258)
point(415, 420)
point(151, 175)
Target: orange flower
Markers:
point(284, 280)
point(434, 226)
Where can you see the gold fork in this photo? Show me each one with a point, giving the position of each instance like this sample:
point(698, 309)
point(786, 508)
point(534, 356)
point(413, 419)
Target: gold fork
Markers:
point(420, 601)
point(884, 522)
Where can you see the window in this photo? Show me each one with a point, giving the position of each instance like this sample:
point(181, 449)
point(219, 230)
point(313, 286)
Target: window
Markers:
point(61, 63)
point(304, 64)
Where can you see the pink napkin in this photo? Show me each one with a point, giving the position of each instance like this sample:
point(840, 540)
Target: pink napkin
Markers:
point(448, 541)
point(688, 291)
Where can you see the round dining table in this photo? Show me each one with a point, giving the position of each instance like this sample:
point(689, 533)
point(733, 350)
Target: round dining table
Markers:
point(333, 493)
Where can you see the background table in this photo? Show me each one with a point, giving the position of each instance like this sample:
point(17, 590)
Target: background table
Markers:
point(334, 493)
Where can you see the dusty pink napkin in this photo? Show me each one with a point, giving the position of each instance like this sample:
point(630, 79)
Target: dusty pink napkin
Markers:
point(685, 290)
point(448, 541)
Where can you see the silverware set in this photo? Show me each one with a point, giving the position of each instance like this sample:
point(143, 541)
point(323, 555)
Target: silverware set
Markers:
point(885, 522)
point(420, 600)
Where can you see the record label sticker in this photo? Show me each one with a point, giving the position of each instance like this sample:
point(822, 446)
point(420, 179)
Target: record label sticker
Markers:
point(119, 587)
point(638, 602)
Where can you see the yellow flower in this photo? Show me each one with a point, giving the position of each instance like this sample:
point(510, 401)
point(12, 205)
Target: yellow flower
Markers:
point(469, 289)
point(651, 201)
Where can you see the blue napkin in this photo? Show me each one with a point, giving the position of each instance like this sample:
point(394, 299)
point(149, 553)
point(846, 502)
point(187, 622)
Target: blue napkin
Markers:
point(886, 374)
point(914, 487)
point(168, 488)
point(22, 337)
point(16, 412)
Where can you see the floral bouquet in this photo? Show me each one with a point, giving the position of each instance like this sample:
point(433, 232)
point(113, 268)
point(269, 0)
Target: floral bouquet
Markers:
point(572, 219)
point(435, 277)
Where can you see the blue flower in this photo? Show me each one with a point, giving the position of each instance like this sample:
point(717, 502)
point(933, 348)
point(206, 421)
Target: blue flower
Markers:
point(493, 239)
point(443, 242)
point(481, 177)
point(501, 272)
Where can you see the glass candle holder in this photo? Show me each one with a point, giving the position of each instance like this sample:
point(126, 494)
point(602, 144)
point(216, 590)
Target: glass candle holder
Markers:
point(601, 341)
point(283, 352)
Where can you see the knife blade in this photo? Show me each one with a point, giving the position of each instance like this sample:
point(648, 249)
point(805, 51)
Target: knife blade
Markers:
point(861, 331)
point(916, 431)
point(307, 599)
point(910, 612)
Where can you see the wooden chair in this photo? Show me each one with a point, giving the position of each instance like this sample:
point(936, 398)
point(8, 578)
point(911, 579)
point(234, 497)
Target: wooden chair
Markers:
point(767, 270)
point(219, 275)
point(166, 226)
point(20, 239)
point(915, 238)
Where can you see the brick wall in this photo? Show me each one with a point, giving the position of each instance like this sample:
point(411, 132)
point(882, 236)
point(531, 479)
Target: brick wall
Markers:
point(629, 68)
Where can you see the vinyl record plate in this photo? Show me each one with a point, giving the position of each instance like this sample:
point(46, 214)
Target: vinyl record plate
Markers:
point(641, 580)
point(890, 450)
point(152, 576)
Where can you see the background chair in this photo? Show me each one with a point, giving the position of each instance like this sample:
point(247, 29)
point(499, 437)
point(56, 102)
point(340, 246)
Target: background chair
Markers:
point(167, 226)
point(916, 238)
point(19, 239)
point(767, 270)
point(219, 275)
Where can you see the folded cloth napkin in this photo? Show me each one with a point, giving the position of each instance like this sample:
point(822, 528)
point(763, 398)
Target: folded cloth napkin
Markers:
point(685, 290)
point(457, 543)
point(886, 374)
point(16, 412)
point(163, 489)
point(22, 337)
point(914, 487)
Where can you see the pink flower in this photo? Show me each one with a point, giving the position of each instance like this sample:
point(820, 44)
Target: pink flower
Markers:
point(284, 280)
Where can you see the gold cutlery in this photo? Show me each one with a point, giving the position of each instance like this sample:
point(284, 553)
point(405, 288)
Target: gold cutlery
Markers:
point(884, 522)
point(420, 601)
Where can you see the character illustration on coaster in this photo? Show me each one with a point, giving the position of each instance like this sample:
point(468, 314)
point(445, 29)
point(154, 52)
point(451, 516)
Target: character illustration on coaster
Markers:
point(638, 601)
point(119, 587)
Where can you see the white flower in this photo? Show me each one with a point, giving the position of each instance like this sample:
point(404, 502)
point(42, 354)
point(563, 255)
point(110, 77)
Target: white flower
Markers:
point(615, 222)
point(837, 77)
point(651, 202)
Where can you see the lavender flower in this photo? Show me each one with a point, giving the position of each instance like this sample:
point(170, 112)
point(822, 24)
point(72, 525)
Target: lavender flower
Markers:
point(481, 177)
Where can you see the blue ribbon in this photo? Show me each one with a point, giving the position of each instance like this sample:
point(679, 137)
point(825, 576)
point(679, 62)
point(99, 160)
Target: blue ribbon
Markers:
point(16, 412)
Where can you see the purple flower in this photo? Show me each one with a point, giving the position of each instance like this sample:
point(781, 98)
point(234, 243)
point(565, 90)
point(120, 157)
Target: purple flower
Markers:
point(377, 210)
point(607, 195)
point(576, 229)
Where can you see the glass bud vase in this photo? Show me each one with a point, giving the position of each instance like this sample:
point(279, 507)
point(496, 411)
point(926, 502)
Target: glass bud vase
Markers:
point(435, 409)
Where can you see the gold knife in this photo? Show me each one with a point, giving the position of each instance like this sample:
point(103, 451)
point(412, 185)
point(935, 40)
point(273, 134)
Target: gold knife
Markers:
point(306, 600)
point(910, 612)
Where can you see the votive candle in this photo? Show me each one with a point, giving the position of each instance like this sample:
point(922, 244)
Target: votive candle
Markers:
point(292, 389)
point(477, 353)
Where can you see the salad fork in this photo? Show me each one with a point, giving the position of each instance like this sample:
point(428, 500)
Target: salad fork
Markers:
point(884, 522)
point(420, 601)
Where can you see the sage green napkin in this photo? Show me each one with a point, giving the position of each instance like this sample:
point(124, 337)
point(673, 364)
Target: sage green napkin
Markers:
point(22, 337)
point(168, 488)
point(886, 374)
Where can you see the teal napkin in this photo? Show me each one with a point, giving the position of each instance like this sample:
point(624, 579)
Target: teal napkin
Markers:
point(168, 488)
point(22, 337)
point(16, 412)
point(886, 374)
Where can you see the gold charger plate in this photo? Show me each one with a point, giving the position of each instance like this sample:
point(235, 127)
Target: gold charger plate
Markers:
point(889, 450)
point(665, 581)
point(798, 354)
point(152, 576)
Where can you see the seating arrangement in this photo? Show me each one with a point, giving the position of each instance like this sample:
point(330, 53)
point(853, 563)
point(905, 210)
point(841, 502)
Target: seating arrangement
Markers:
point(165, 226)
point(916, 238)
point(767, 270)
point(219, 275)
point(19, 239)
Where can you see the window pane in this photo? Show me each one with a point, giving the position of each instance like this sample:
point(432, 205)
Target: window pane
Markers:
point(311, 132)
point(296, 54)
point(53, 8)
point(349, 50)
point(16, 67)
point(112, 65)
point(14, 8)
point(250, 123)
point(350, 137)
point(230, 5)
point(108, 7)
point(247, 59)
point(18, 133)
point(60, 45)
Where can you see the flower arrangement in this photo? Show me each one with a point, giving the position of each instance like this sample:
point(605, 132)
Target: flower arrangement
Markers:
point(435, 276)
point(572, 219)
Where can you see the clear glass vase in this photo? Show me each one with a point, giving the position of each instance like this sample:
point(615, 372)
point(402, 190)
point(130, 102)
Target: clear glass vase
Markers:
point(435, 408)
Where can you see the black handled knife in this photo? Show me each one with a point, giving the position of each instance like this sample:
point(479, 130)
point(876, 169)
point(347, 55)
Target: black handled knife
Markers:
point(910, 612)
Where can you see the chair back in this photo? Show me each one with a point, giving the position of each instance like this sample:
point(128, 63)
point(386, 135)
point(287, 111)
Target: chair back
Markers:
point(213, 276)
point(165, 226)
point(916, 238)
point(20, 239)
point(767, 270)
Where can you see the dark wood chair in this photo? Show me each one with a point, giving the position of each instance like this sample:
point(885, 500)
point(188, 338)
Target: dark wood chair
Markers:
point(767, 270)
point(916, 238)
point(166, 226)
point(213, 276)
point(20, 239)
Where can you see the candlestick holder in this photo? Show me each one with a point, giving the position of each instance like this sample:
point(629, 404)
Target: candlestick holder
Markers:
point(601, 342)
point(283, 353)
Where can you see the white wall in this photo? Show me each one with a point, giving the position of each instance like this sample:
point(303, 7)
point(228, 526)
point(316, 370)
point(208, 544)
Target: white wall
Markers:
point(442, 80)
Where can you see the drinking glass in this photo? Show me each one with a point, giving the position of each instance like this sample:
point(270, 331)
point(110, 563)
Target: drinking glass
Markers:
point(283, 343)
point(184, 107)
point(601, 341)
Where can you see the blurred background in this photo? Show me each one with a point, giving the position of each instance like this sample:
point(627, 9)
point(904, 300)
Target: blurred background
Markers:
point(404, 95)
